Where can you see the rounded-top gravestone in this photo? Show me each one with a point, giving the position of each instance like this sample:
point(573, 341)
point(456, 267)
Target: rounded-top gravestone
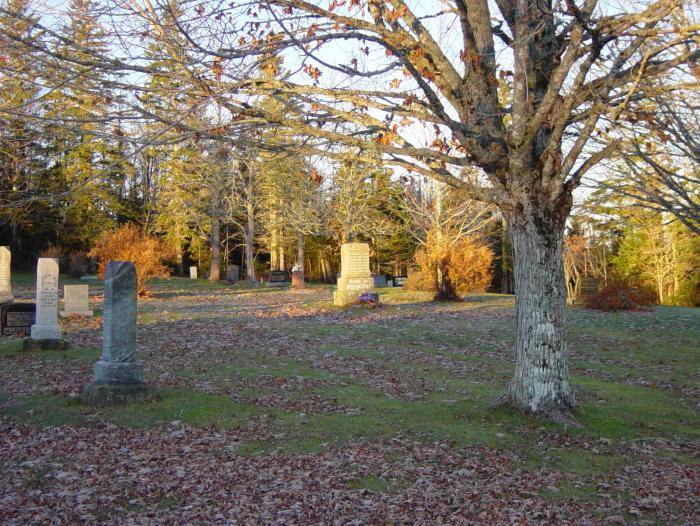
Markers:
point(46, 333)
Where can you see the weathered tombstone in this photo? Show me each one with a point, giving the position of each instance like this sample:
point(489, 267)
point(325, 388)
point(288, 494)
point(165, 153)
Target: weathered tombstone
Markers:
point(400, 281)
point(297, 275)
point(16, 319)
point(193, 272)
point(233, 273)
point(76, 300)
point(380, 280)
point(46, 333)
point(589, 286)
point(118, 376)
point(277, 278)
point(355, 277)
point(5, 275)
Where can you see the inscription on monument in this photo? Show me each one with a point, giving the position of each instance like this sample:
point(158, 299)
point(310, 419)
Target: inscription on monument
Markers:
point(46, 325)
point(76, 300)
point(5, 275)
point(16, 319)
point(355, 277)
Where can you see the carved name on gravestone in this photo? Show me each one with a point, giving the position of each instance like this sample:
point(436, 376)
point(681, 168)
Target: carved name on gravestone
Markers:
point(355, 277)
point(76, 300)
point(118, 375)
point(193, 272)
point(5, 275)
point(16, 319)
point(46, 325)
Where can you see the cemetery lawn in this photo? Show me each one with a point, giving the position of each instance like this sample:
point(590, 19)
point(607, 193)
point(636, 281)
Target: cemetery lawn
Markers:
point(277, 408)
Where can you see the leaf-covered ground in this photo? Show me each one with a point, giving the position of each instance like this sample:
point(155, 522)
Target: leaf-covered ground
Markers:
point(277, 408)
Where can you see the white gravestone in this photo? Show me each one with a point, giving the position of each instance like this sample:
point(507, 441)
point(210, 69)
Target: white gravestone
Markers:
point(5, 276)
point(46, 324)
point(193, 272)
point(355, 277)
point(76, 300)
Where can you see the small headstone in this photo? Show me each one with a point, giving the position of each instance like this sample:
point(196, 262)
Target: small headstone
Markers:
point(380, 280)
point(193, 272)
point(5, 275)
point(589, 286)
point(400, 281)
point(355, 277)
point(118, 376)
point(233, 273)
point(46, 325)
point(16, 319)
point(277, 277)
point(76, 300)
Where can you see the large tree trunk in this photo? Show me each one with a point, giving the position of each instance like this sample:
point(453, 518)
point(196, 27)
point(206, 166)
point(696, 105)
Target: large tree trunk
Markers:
point(249, 240)
point(541, 382)
point(179, 260)
point(505, 258)
point(300, 249)
point(215, 241)
point(444, 289)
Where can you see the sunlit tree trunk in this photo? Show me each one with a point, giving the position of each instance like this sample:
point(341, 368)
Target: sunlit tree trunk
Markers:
point(215, 241)
point(249, 235)
point(300, 249)
point(541, 381)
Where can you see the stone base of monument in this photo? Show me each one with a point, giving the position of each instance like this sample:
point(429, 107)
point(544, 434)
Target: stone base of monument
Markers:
point(350, 289)
point(83, 313)
point(99, 394)
point(343, 298)
point(29, 344)
point(297, 279)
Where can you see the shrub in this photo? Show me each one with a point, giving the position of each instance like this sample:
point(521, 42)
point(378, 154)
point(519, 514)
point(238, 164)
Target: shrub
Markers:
point(130, 243)
point(620, 295)
point(78, 264)
point(52, 252)
point(465, 266)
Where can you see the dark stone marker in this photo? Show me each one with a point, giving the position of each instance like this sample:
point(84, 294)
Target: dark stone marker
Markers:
point(118, 376)
point(380, 280)
point(278, 276)
point(233, 273)
point(16, 319)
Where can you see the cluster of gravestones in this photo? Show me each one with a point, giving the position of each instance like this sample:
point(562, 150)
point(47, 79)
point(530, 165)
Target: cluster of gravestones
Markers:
point(118, 376)
point(233, 273)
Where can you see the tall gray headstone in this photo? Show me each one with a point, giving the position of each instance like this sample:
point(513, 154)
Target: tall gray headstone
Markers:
point(118, 375)
point(193, 272)
point(46, 324)
point(118, 364)
point(5, 276)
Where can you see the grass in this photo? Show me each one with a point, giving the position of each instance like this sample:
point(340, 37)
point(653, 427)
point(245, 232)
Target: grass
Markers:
point(190, 407)
point(635, 373)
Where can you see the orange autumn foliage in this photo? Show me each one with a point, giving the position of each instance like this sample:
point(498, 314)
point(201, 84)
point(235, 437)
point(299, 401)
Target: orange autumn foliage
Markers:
point(130, 243)
point(466, 266)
